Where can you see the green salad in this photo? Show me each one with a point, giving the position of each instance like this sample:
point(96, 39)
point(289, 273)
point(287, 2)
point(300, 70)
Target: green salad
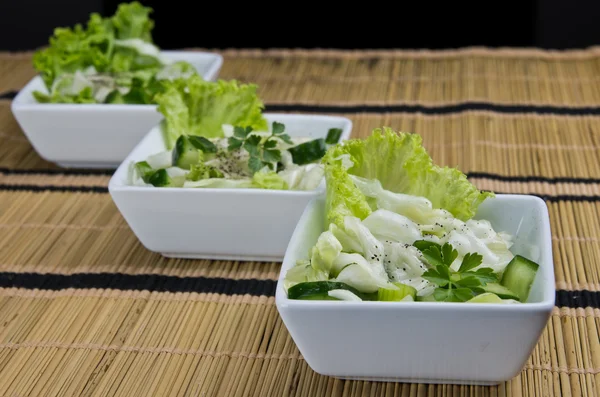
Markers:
point(110, 60)
point(216, 136)
point(400, 228)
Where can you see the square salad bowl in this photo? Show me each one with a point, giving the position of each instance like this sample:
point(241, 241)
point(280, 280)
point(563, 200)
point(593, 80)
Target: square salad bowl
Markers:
point(94, 135)
point(425, 342)
point(217, 223)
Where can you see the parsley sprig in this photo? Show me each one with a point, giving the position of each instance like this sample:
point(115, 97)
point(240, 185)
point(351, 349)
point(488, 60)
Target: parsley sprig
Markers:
point(454, 286)
point(262, 152)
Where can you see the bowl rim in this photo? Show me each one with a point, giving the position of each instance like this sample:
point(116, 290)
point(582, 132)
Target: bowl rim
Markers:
point(114, 184)
point(26, 93)
point(549, 288)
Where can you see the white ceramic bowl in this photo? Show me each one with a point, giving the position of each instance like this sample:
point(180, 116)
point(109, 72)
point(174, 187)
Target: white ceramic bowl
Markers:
point(428, 342)
point(94, 135)
point(233, 224)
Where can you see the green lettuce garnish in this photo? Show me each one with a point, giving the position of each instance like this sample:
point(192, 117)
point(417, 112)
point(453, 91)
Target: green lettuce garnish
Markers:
point(119, 47)
point(198, 107)
point(402, 165)
point(132, 21)
point(269, 180)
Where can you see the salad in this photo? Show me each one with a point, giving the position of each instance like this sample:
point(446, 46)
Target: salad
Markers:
point(400, 228)
point(217, 137)
point(110, 60)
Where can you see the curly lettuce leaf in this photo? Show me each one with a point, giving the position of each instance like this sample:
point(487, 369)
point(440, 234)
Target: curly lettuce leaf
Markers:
point(70, 88)
point(75, 49)
point(269, 180)
point(343, 198)
point(199, 107)
point(402, 165)
point(132, 21)
point(116, 44)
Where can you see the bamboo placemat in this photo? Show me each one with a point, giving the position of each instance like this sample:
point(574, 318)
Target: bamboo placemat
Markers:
point(86, 310)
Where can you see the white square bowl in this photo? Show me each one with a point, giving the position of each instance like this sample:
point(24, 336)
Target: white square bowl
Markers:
point(425, 342)
point(94, 135)
point(227, 224)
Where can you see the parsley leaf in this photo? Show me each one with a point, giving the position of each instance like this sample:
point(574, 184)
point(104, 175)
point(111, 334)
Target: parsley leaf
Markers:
point(241, 132)
point(255, 164)
point(286, 138)
point(449, 254)
point(454, 286)
point(234, 144)
point(463, 294)
point(263, 152)
point(277, 128)
point(436, 277)
point(470, 261)
point(271, 155)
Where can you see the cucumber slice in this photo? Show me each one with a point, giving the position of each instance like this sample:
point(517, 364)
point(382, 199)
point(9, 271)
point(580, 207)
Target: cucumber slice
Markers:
point(308, 152)
point(333, 136)
point(185, 154)
point(144, 170)
point(318, 290)
point(501, 291)
point(159, 178)
point(486, 297)
point(519, 275)
point(203, 144)
point(396, 295)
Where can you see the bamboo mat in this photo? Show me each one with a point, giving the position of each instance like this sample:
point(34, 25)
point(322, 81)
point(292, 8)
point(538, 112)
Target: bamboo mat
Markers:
point(86, 310)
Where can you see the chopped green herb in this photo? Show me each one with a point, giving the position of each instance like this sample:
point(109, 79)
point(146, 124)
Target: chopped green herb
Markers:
point(454, 286)
point(263, 153)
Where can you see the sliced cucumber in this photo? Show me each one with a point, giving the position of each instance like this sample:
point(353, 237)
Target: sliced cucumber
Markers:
point(185, 154)
point(203, 144)
point(308, 152)
point(318, 290)
point(333, 136)
point(159, 178)
point(144, 170)
point(486, 297)
point(396, 295)
point(501, 291)
point(519, 275)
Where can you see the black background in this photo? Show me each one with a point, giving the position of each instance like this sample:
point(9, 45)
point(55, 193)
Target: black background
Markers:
point(555, 24)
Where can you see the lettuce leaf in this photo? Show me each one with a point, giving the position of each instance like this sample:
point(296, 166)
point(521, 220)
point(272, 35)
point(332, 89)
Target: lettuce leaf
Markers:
point(199, 107)
point(401, 165)
point(75, 49)
point(269, 180)
point(132, 21)
point(343, 198)
point(117, 44)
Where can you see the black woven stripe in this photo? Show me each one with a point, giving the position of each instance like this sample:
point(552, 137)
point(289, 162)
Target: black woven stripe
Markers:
point(9, 95)
point(57, 171)
point(160, 283)
point(560, 197)
point(52, 188)
point(150, 282)
point(470, 175)
point(438, 109)
point(425, 109)
point(104, 189)
point(507, 178)
point(577, 299)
